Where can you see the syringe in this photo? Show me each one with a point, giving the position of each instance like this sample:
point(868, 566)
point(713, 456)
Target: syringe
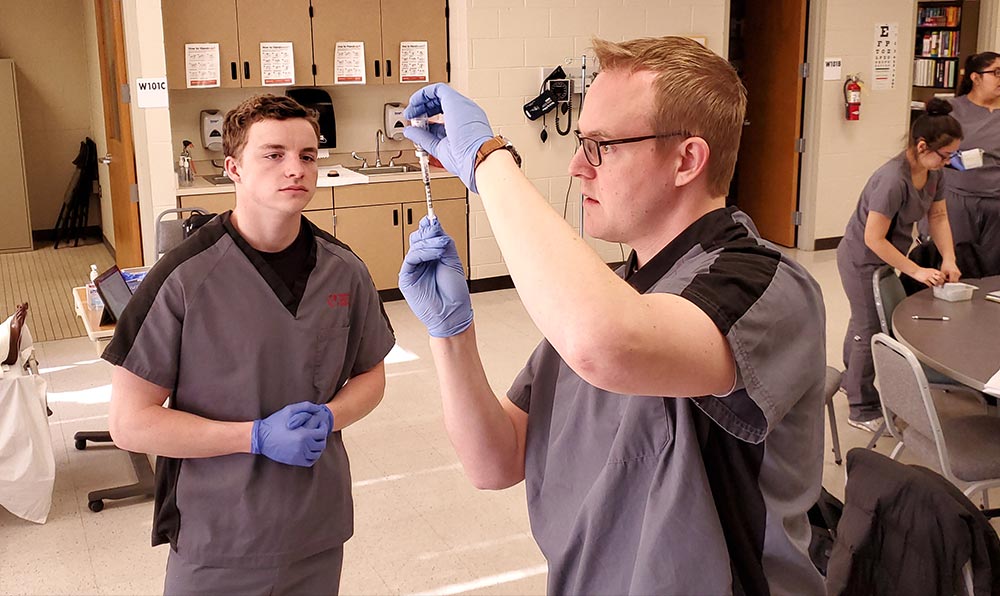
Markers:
point(425, 167)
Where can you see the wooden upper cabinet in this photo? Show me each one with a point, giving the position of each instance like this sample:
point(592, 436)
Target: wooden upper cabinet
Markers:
point(201, 21)
point(346, 20)
point(415, 20)
point(263, 21)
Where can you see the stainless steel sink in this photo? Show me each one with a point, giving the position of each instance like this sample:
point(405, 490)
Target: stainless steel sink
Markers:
point(376, 170)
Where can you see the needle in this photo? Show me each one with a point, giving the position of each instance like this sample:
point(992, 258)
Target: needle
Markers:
point(425, 168)
point(921, 318)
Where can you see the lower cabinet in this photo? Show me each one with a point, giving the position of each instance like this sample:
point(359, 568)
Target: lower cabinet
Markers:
point(376, 220)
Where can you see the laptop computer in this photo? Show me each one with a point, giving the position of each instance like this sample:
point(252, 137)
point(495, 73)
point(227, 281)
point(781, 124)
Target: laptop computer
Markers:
point(115, 293)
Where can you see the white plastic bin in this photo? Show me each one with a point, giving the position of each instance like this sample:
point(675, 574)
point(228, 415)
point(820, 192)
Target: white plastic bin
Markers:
point(955, 292)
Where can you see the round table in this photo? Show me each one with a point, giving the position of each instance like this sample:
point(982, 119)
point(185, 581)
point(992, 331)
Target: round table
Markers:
point(967, 346)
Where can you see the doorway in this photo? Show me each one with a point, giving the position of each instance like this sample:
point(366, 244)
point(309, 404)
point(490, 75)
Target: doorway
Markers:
point(767, 48)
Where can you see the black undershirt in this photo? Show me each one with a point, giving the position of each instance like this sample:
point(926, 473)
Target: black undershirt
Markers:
point(290, 264)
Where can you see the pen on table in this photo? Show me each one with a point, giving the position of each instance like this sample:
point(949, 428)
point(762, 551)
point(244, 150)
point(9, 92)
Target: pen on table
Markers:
point(922, 318)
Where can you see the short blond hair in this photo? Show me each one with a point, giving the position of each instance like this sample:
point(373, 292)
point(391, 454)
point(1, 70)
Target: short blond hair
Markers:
point(697, 91)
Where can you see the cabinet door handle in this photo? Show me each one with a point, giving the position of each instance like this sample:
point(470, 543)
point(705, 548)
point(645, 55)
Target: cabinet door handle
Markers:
point(409, 216)
point(377, 69)
point(388, 69)
point(395, 217)
point(246, 69)
point(234, 71)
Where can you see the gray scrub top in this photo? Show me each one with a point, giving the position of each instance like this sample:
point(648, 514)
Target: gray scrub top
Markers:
point(980, 129)
point(649, 495)
point(213, 322)
point(890, 191)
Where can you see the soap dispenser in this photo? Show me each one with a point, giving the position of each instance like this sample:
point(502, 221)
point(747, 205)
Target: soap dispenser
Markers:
point(394, 121)
point(211, 130)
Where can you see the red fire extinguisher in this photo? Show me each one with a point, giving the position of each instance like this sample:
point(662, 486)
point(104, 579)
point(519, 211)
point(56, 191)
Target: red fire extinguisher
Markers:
point(852, 98)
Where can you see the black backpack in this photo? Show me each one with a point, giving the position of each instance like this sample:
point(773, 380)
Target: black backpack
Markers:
point(824, 517)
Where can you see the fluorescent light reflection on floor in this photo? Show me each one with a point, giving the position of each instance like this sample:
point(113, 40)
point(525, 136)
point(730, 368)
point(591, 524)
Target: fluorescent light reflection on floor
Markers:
point(400, 354)
point(395, 477)
point(54, 369)
point(93, 395)
point(477, 546)
point(485, 582)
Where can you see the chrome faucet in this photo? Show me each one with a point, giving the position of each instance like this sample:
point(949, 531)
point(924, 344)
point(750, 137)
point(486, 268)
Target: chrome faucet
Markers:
point(379, 139)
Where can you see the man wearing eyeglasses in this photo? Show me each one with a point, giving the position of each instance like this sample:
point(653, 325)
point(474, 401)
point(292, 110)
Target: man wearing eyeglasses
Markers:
point(669, 427)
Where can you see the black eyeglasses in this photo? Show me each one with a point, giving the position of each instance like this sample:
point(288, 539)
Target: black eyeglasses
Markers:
point(995, 72)
point(593, 149)
point(948, 157)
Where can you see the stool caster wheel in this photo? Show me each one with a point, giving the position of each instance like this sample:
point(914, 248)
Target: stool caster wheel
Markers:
point(96, 506)
point(81, 444)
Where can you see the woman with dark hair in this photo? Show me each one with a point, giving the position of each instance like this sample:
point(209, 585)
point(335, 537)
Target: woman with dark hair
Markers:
point(899, 194)
point(973, 194)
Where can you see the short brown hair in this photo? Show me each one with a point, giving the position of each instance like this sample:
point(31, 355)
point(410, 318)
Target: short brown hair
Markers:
point(697, 91)
point(254, 109)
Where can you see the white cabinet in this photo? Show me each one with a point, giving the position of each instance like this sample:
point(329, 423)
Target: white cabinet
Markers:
point(15, 225)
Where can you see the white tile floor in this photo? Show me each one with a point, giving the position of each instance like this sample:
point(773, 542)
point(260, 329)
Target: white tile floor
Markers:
point(419, 525)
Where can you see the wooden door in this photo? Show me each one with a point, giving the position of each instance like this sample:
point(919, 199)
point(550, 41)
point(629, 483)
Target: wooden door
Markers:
point(120, 159)
point(201, 21)
point(374, 234)
point(415, 20)
point(453, 215)
point(768, 179)
point(15, 225)
point(330, 26)
point(269, 21)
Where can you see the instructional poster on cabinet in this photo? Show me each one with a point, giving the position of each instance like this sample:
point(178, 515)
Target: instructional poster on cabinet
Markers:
point(201, 64)
point(277, 63)
point(349, 63)
point(884, 57)
point(413, 62)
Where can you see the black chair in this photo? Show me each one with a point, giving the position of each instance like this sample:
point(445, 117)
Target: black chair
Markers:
point(142, 487)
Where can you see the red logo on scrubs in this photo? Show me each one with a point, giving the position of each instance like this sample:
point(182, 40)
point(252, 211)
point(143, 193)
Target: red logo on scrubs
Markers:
point(338, 300)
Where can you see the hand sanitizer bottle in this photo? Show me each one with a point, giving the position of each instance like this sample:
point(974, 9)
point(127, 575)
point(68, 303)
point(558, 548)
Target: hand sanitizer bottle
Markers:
point(94, 301)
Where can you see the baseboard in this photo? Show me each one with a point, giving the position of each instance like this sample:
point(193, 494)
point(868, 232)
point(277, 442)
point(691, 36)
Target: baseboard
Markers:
point(107, 245)
point(485, 284)
point(826, 243)
point(50, 235)
point(489, 284)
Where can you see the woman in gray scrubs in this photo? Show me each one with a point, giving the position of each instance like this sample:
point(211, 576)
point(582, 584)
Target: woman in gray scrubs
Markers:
point(898, 194)
point(973, 195)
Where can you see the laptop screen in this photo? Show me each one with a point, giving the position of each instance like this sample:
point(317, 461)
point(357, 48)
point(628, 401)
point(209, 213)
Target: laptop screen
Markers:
point(114, 291)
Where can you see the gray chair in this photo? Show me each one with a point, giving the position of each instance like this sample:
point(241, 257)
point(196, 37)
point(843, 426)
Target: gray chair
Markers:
point(964, 445)
point(170, 232)
point(832, 386)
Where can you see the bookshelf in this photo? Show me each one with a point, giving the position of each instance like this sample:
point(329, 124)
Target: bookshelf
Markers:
point(945, 34)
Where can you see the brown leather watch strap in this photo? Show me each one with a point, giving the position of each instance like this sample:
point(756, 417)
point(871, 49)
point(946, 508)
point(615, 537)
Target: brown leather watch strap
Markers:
point(494, 144)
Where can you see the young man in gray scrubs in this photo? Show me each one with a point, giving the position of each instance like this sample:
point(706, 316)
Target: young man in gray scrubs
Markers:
point(670, 425)
point(267, 335)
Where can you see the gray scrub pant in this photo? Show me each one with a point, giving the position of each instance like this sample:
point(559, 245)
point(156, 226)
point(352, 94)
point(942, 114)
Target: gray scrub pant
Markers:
point(318, 574)
point(977, 221)
point(859, 378)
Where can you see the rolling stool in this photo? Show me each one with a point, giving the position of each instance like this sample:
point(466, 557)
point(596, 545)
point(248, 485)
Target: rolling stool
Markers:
point(832, 386)
point(143, 486)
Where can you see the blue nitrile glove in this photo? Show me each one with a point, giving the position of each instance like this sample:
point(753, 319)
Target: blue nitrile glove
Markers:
point(273, 438)
point(321, 419)
point(956, 162)
point(433, 282)
point(455, 142)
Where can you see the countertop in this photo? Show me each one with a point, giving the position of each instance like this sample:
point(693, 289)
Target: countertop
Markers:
point(346, 178)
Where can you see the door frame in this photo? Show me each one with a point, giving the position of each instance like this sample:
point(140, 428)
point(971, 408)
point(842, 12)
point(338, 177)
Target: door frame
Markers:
point(121, 173)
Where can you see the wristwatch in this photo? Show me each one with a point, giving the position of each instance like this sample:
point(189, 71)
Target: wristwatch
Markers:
point(497, 142)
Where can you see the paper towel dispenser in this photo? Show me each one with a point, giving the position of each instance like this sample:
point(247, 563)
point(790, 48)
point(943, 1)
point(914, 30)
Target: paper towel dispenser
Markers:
point(211, 130)
point(318, 100)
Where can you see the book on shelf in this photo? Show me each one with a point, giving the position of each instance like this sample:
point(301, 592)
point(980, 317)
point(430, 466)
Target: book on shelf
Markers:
point(945, 16)
point(935, 73)
point(939, 44)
